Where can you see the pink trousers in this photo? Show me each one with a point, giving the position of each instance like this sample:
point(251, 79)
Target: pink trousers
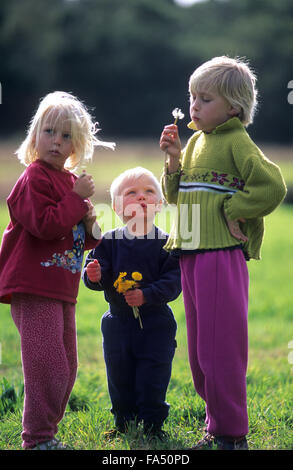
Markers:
point(49, 360)
point(215, 292)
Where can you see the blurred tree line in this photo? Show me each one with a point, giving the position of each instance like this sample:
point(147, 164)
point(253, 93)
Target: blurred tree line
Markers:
point(131, 59)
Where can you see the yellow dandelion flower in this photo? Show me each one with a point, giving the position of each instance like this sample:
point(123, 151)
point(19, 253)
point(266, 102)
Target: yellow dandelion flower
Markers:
point(119, 280)
point(127, 285)
point(136, 276)
point(122, 285)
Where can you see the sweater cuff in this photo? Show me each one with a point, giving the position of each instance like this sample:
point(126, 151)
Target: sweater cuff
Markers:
point(227, 208)
point(172, 175)
point(78, 198)
point(147, 293)
point(91, 242)
point(92, 285)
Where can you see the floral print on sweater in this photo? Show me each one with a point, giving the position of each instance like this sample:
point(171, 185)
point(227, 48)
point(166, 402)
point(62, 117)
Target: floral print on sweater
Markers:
point(70, 259)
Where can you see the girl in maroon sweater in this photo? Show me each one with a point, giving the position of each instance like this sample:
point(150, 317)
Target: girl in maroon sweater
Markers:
point(51, 224)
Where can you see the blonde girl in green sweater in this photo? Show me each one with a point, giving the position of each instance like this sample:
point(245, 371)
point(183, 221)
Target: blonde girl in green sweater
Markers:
point(223, 186)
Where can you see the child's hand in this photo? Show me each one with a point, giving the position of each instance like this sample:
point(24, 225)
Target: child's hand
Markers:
point(234, 228)
point(134, 298)
point(84, 186)
point(170, 142)
point(93, 271)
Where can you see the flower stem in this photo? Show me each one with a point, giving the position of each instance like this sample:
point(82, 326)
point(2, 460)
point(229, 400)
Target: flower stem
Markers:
point(137, 315)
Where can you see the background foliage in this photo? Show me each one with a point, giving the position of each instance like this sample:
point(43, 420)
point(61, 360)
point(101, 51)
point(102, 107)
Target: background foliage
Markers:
point(131, 59)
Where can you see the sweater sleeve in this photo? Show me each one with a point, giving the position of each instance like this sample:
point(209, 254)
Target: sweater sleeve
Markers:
point(35, 208)
point(90, 242)
point(168, 287)
point(102, 254)
point(264, 186)
point(170, 182)
point(170, 185)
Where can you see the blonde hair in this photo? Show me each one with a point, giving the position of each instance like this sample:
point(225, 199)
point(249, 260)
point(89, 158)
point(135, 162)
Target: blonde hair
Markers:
point(128, 175)
point(64, 107)
point(232, 79)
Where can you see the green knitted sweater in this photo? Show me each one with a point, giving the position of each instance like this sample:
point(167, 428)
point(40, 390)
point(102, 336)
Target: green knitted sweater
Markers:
point(221, 171)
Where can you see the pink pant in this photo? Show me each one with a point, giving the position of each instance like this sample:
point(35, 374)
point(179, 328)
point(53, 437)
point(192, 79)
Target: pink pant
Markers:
point(215, 291)
point(49, 361)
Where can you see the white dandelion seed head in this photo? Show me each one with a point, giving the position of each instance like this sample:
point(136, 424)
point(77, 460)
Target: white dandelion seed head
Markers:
point(177, 113)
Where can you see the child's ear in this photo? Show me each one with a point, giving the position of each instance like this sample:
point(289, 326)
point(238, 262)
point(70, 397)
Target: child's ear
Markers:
point(234, 111)
point(117, 206)
point(159, 205)
point(115, 209)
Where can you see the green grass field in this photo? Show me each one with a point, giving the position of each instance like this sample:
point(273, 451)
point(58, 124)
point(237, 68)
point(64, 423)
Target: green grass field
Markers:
point(269, 378)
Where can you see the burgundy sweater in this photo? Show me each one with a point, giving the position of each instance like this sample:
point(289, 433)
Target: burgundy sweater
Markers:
point(42, 247)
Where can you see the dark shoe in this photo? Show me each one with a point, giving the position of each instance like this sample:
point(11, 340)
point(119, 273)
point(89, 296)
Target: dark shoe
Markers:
point(153, 432)
point(207, 443)
point(210, 442)
point(115, 432)
point(225, 443)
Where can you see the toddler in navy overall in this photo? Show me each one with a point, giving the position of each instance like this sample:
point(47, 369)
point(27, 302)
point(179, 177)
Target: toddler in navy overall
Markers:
point(139, 328)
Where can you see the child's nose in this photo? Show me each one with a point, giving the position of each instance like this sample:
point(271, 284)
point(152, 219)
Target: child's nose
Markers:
point(57, 138)
point(195, 104)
